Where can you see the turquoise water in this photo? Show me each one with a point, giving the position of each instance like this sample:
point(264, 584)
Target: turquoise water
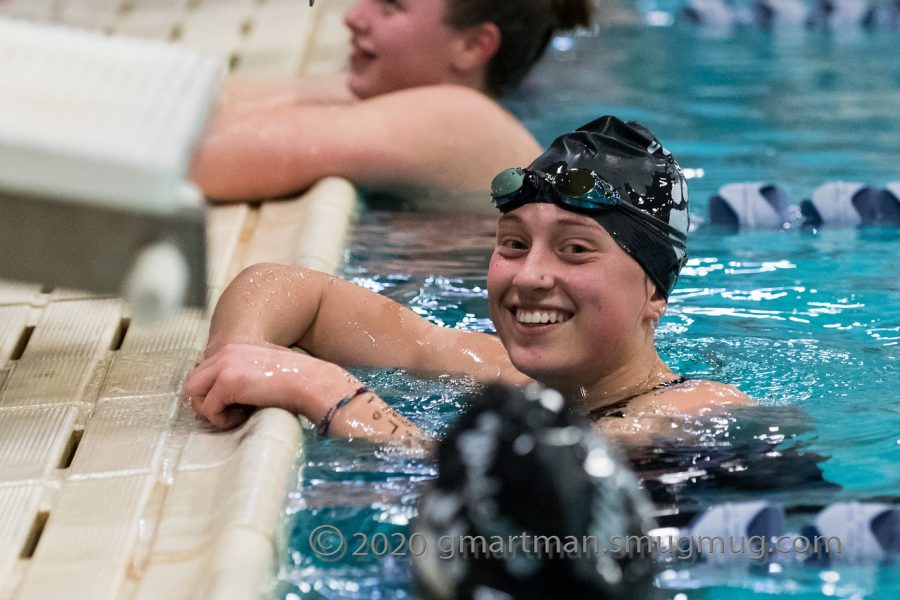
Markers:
point(794, 107)
point(806, 322)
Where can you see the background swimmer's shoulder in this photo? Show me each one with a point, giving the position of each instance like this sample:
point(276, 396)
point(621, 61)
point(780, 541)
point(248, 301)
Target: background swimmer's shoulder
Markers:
point(464, 110)
point(442, 138)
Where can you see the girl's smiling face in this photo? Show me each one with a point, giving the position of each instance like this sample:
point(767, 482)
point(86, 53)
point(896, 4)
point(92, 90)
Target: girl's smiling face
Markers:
point(570, 306)
point(398, 44)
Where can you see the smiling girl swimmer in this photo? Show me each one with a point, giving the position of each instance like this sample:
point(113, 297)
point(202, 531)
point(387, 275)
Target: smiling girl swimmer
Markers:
point(416, 66)
point(589, 244)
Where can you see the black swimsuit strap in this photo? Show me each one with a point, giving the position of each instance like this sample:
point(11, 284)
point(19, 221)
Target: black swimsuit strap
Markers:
point(615, 409)
point(677, 381)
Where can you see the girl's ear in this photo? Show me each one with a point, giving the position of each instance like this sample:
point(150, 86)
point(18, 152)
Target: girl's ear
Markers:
point(656, 301)
point(477, 46)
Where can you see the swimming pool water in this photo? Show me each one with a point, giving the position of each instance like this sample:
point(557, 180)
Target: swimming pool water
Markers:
point(806, 322)
point(795, 107)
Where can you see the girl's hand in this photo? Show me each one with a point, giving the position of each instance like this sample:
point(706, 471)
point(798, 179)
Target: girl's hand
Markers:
point(228, 385)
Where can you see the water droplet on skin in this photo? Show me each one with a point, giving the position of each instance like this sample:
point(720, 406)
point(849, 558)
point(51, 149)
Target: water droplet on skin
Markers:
point(473, 356)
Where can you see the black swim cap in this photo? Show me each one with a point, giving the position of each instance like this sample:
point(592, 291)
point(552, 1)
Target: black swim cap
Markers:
point(629, 156)
point(517, 466)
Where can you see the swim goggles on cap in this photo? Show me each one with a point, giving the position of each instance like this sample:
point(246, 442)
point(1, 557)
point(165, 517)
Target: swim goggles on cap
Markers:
point(579, 189)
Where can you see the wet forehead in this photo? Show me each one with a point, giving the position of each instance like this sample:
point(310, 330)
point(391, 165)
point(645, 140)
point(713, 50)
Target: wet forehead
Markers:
point(548, 217)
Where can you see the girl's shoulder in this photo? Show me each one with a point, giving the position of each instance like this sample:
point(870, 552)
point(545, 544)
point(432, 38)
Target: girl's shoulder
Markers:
point(691, 396)
point(659, 414)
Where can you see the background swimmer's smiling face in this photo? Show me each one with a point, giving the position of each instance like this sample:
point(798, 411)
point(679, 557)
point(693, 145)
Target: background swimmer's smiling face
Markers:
point(555, 265)
point(398, 44)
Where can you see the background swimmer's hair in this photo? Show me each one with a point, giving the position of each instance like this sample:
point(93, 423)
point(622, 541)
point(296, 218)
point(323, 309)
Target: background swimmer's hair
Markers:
point(526, 27)
point(522, 462)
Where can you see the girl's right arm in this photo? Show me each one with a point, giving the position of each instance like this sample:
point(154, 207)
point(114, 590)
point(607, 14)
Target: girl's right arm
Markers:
point(340, 322)
point(241, 377)
point(269, 307)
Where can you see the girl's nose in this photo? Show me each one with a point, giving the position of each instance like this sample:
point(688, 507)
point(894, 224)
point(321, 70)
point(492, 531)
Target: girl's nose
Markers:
point(355, 18)
point(536, 272)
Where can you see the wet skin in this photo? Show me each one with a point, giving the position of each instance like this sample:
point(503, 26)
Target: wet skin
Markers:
point(551, 260)
point(413, 123)
point(596, 344)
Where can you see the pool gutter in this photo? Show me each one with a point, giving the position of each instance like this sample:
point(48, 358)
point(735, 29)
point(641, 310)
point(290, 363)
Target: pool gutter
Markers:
point(109, 485)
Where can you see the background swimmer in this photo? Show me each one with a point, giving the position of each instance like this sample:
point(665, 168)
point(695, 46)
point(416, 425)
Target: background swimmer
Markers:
point(576, 285)
point(415, 114)
point(519, 469)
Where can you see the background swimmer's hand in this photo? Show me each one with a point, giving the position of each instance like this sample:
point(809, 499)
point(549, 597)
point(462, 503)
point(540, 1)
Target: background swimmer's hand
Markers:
point(227, 386)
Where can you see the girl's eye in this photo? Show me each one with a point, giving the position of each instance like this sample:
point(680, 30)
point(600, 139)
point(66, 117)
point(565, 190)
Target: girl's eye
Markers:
point(510, 243)
point(576, 249)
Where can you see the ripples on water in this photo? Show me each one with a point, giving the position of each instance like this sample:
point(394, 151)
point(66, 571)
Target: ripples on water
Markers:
point(807, 323)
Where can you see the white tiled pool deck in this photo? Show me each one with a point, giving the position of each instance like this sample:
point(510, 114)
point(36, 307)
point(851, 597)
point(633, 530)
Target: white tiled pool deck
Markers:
point(109, 486)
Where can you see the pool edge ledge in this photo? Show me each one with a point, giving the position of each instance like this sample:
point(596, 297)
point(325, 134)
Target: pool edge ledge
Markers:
point(238, 569)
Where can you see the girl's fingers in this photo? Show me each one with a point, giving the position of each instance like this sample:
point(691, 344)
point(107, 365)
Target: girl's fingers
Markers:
point(201, 379)
point(212, 405)
point(197, 403)
point(218, 386)
point(220, 407)
point(196, 387)
point(208, 361)
point(235, 415)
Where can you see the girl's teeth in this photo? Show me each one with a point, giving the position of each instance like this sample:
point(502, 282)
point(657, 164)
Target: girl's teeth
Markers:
point(538, 316)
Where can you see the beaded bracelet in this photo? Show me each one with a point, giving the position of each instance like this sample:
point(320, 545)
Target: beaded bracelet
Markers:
point(325, 423)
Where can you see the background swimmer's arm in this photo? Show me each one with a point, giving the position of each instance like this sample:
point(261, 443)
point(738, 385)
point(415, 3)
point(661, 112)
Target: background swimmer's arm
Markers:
point(445, 138)
point(343, 323)
point(242, 94)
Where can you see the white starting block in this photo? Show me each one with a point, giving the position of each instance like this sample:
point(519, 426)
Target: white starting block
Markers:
point(96, 136)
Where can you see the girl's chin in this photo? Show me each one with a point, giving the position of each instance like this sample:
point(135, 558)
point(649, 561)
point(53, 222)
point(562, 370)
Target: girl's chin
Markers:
point(356, 88)
point(555, 377)
point(361, 86)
